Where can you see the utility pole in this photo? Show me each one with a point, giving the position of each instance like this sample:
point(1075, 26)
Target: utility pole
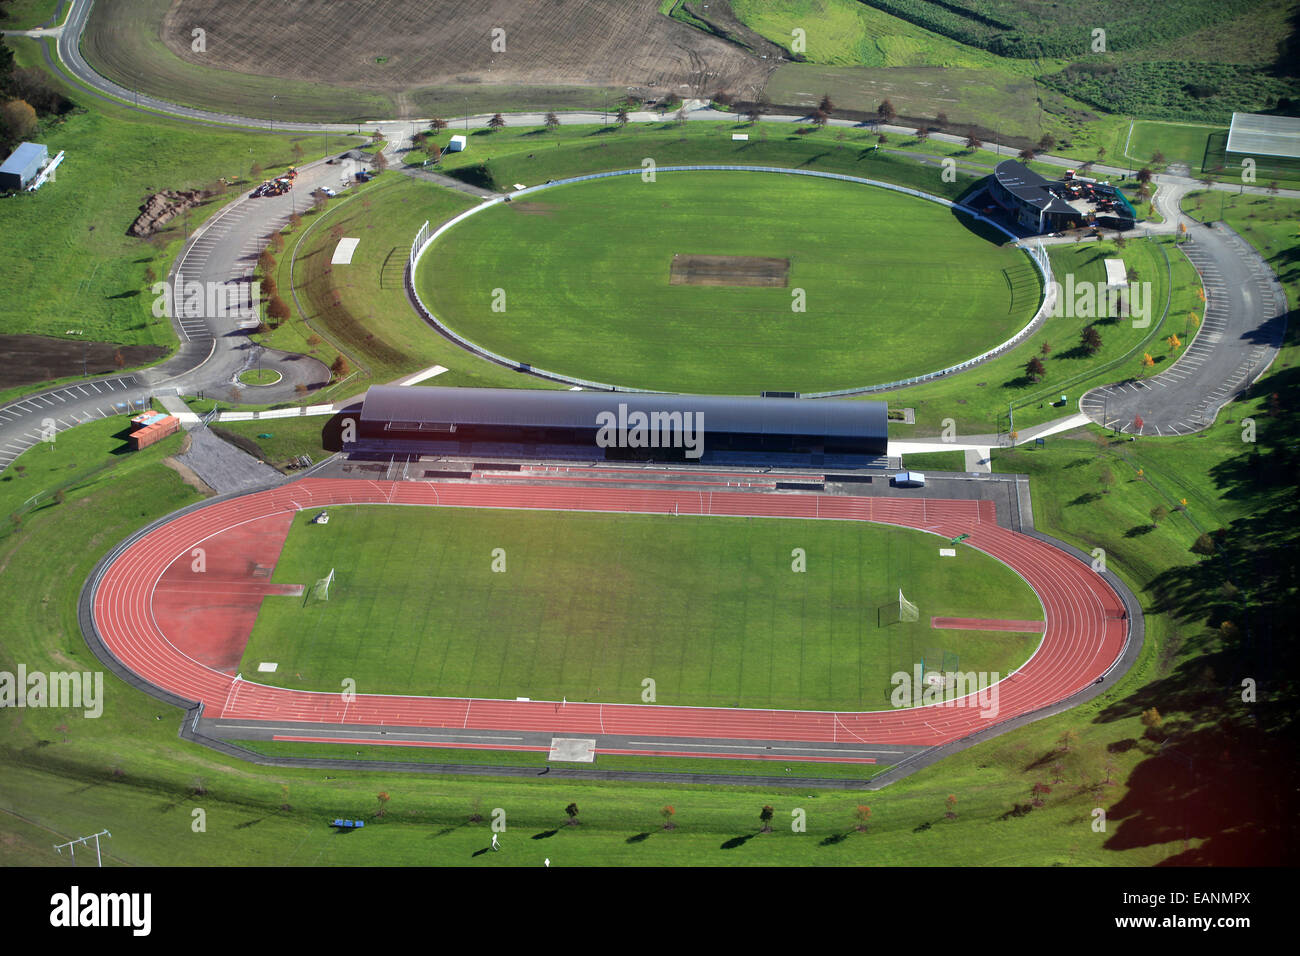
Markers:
point(72, 846)
point(273, 98)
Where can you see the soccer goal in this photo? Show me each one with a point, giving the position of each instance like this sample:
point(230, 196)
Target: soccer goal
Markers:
point(896, 612)
point(907, 611)
point(321, 589)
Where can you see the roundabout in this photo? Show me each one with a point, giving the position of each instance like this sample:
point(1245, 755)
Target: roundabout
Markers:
point(726, 280)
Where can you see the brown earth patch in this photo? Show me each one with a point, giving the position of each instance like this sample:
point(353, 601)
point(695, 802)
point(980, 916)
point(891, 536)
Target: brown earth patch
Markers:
point(28, 359)
point(624, 43)
point(729, 270)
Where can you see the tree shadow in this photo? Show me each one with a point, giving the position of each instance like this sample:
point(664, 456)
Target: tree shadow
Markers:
point(639, 837)
point(738, 841)
point(835, 838)
point(545, 834)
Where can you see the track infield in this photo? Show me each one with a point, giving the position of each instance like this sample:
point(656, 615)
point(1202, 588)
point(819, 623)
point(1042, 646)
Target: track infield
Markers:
point(551, 605)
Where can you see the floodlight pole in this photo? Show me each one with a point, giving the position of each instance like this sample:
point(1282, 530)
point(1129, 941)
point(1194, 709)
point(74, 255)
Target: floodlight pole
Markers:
point(72, 847)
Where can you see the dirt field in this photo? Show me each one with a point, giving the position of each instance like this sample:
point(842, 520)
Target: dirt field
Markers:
point(400, 46)
point(26, 359)
point(730, 270)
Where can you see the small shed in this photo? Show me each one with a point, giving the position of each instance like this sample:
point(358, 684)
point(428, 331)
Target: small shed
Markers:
point(457, 144)
point(23, 165)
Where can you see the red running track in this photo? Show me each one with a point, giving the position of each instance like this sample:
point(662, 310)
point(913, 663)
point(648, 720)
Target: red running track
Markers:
point(1085, 630)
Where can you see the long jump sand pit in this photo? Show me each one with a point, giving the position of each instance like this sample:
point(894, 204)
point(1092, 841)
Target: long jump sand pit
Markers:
point(729, 270)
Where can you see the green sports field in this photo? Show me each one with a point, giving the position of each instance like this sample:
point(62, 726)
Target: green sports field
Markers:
point(589, 605)
point(894, 285)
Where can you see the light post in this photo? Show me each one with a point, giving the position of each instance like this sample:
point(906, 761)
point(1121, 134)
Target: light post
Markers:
point(466, 113)
point(273, 98)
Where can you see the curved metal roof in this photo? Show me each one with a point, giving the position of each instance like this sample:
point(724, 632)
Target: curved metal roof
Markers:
point(1028, 186)
point(562, 409)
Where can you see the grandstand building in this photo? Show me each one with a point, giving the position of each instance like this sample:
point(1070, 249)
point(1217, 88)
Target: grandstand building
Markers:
point(507, 423)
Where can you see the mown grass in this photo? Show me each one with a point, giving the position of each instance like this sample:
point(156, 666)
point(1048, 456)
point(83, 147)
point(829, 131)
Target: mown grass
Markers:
point(588, 606)
point(599, 305)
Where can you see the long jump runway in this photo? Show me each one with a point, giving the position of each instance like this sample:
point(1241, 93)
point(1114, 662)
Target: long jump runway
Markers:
point(145, 620)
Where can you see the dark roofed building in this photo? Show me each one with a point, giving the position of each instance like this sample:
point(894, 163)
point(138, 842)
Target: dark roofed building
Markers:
point(615, 426)
point(1041, 205)
point(1028, 196)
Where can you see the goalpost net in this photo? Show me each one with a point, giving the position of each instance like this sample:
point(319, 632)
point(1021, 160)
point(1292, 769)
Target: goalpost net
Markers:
point(907, 611)
point(321, 589)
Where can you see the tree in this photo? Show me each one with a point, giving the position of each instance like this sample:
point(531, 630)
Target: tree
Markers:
point(1101, 153)
point(1157, 158)
point(1090, 338)
point(882, 139)
point(667, 813)
point(1138, 423)
point(1147, 362)
point(1068, 738)
point(1158, 514)
point(268, 285)
point(552, 121)
point(973, 141)
point(922, 133)
point(313, 340)
point(941, 120)
point(620, 116)
point(826, 106)
point(340, 368)
point(438, 124)
point(1152, 721)
point(1045, 349)
point(1035, 369)
point(1174, 342)
point(1046, 143)
point(1037, 792)
point(383, 803)
point(1107, 479)
point(297, 151)
point(951, 804)
point(572, 811)
point(819, 118)
point(277, 309)
point(765, 818)
point(59, 497)
point(435, 153)
point(755, 112)
point(1026, 154)
point(886, 111)
point(380, 161)
point(19, 119)
point(497, 121)
point(295, 221)
point(681, 116)
point(1144, 174)
point(255, 170)
point(862, 813)
point(119, 359)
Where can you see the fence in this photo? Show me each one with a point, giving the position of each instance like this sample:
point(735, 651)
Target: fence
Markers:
point(424, 238)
